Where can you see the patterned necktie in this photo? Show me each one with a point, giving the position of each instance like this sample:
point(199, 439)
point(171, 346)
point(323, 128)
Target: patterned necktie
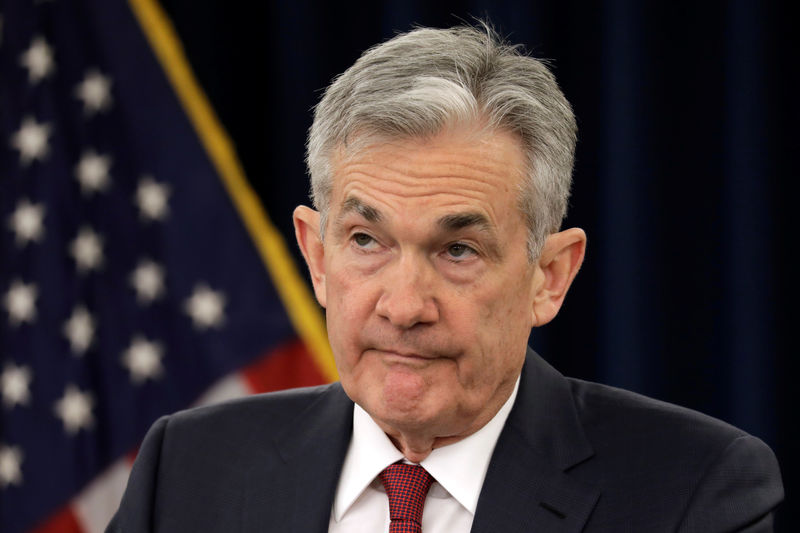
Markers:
point(406, 485)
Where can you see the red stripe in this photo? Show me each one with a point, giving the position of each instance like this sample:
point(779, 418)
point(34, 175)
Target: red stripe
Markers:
point(130, 457)
point(63, 521)
point(289, 365)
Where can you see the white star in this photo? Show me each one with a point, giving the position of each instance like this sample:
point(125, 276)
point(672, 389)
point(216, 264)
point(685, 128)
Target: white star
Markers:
point(148, 280)
point(206, 307)
point(143, 359)
point(92, 172)
point(79, 330)
point(38, 59)
point(10, 466)
point(75, 409)
point(151, 197)
point(15, 384)
point(31, 140)
point(26, 222)
point(87, 250)
point(20, 302)
point(95, 92)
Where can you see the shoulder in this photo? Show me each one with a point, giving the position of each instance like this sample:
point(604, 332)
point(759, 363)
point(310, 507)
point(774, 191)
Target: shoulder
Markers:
point(709, 472)
point(278, 405)
point(195, 468)
point(625, 426)
point(274, 409)
point(216, 446)
point(606, 409)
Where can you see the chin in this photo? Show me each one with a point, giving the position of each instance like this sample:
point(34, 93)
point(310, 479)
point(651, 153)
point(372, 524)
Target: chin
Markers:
point(407, 421)
point(404, 396)
point(397, 413)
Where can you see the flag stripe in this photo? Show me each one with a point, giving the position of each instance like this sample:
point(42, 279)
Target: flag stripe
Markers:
point(300, 306)
point(64, 521)
point(95, 505)
point(287, 366)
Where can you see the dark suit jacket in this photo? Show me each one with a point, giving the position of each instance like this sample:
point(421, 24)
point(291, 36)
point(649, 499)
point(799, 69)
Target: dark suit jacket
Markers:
point(573, 456)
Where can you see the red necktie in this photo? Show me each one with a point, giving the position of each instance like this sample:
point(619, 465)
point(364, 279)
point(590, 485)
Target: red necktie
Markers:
point(406, 485)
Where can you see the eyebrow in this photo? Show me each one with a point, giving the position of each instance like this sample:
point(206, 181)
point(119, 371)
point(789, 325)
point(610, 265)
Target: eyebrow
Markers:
point(459, 221)
point(353, 204)
point(452, 222)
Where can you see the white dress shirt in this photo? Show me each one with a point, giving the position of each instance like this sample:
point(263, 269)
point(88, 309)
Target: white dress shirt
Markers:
point(361, 505)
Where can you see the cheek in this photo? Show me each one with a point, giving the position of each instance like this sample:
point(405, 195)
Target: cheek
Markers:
point(347, 312)
point(497, 309)
point(499, 326)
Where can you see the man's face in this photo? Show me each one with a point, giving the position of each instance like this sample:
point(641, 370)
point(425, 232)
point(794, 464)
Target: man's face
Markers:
point(427, 284)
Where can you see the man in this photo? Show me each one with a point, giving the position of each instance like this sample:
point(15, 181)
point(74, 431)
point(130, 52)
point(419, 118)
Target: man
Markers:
point(441, 165)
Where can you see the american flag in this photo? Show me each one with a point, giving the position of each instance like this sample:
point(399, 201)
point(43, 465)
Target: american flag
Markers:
point(138, 275)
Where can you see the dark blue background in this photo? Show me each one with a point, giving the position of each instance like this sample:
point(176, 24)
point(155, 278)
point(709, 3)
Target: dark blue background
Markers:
point(684, 177)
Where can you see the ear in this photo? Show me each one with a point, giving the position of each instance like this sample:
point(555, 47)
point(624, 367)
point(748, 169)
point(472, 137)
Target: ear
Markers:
point(559, 262)
point(306, 230)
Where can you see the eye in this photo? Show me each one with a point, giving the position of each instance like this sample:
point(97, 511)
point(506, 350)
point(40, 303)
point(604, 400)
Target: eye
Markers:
point(460, 251)
point(362, 240)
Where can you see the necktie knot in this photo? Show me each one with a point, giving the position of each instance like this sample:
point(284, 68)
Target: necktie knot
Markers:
point(406, 486)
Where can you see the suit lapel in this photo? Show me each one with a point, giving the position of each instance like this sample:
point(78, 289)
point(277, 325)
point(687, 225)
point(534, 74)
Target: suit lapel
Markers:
point(527, 487)
point(297, 494)
point(315, 452)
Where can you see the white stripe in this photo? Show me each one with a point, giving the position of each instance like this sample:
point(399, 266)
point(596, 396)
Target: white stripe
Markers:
point(97, 503)
point(230, 387)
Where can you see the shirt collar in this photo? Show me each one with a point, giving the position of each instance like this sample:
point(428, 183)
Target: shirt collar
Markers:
point(371, 451)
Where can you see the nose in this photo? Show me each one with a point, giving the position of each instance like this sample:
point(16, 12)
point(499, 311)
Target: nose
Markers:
point(407, 297)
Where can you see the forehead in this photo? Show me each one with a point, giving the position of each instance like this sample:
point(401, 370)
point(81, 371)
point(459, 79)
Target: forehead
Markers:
point(452, 172)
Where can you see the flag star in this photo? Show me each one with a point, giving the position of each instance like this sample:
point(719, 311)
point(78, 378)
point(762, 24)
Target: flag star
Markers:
point(143, 359)
point(92, 172)
point(27, 222)
point(20, 302)
point(38, 59)
point(151, 198)
point(15, 382)
point(79, 330)
point(95, 92)
point(10, 466)
point(148, 281)
point(75, 409)
point(206, 307)
point(87, 250)
point(31, 140)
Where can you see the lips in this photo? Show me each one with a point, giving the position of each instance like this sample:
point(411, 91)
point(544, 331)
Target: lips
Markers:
point(405, 354)
point(409, 346)
point(409, 355)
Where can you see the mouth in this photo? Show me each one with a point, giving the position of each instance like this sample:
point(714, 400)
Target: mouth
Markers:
point(403, 356)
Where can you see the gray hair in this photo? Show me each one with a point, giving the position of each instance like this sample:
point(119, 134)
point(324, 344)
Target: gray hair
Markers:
point(419, 83)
